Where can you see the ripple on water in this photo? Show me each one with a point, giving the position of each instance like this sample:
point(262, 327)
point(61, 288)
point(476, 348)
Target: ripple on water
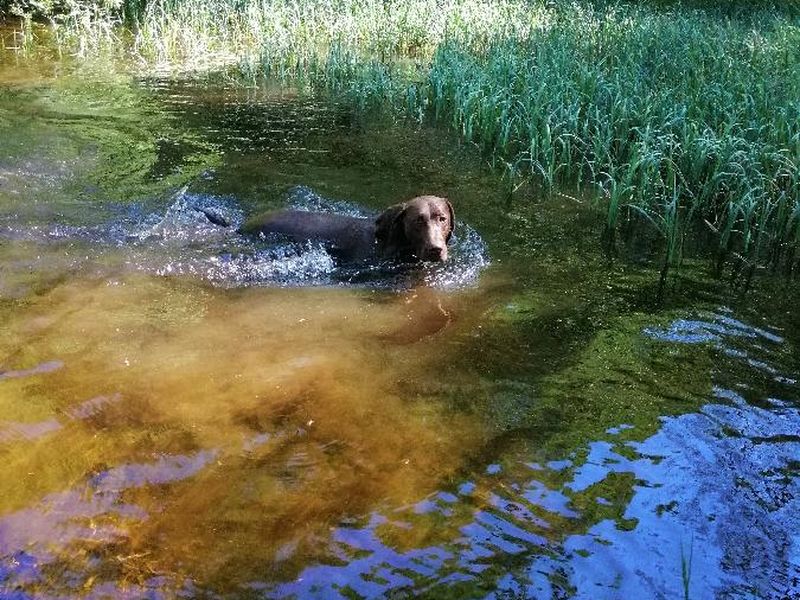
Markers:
point(34, 539)
point(716, 491)
point(196, 236)
point(717, 488)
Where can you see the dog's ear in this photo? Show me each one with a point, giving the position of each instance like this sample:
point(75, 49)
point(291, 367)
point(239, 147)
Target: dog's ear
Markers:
point(389, 231)
point(452, 220)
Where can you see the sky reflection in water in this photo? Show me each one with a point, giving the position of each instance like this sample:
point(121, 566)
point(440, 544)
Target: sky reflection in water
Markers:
point(694, 484)
point(184, 412)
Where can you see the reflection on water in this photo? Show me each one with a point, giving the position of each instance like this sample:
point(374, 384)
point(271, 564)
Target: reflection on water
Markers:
point(201, 430)
point(185, 412)
point(289, 466)
point(688, 490)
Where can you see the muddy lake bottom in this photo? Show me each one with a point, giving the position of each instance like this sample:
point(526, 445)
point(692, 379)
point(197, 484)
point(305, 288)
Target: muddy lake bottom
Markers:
point(185, 412)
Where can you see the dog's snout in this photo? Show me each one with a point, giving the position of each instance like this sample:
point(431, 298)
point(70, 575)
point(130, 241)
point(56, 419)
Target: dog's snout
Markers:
point(436, 253)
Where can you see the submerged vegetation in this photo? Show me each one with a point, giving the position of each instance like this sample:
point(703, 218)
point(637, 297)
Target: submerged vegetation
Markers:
point(681, 116)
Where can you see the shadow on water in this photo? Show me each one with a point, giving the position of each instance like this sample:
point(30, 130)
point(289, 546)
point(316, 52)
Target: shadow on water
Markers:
point(185, 412)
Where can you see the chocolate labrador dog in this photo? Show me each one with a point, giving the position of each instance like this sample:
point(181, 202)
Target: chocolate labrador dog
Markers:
point(417, 230)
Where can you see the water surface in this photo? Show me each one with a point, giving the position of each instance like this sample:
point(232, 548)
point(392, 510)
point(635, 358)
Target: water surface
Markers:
point(185, 412)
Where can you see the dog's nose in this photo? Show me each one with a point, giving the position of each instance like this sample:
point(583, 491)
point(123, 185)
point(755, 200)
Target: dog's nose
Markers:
point(436, 253)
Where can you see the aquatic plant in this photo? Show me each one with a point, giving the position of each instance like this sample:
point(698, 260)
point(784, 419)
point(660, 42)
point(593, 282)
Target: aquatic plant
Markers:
point(632, 97)
point(617, 99)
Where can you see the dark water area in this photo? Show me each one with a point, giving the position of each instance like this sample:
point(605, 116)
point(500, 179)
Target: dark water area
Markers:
point(188, 412)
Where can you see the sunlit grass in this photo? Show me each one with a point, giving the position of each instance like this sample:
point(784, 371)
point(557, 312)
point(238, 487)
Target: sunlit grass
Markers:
point(675, 114)
point(681, 115)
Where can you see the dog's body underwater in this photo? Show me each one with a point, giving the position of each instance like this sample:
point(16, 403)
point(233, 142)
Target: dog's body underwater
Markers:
point(417, 230)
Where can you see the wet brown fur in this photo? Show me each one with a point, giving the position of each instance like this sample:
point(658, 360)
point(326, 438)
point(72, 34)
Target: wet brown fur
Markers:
point(416, 230)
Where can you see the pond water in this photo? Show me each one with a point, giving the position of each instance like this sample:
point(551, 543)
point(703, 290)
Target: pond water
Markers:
point(185, 412)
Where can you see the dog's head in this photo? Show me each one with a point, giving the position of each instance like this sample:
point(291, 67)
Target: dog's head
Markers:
point(418, 229)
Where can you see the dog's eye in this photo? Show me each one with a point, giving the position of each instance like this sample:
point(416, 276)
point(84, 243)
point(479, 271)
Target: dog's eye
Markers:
point(442, 219)
point(420, 219)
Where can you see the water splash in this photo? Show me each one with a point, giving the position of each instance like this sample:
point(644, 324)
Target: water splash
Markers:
point(191, 218)
point(197, 237)
point(303, 198)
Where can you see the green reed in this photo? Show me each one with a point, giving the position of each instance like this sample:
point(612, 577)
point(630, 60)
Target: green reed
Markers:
point(628, 97)
point(680, 113)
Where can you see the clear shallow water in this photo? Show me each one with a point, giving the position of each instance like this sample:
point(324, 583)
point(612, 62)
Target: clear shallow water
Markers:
point(188, 413)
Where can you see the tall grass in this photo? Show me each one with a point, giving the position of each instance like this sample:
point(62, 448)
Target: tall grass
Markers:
point(675, 114)
point(679, 114)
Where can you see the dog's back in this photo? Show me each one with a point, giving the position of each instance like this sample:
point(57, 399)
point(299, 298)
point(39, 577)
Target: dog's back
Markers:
point(350, 238)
